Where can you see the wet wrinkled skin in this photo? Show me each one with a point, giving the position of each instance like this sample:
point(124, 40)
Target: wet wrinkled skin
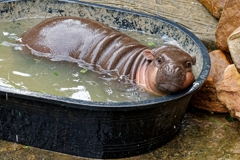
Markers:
point(169, 70)
point(100, 48)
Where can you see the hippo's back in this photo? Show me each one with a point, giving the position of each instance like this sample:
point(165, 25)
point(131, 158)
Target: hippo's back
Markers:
point(63, 36)
point(83, 39)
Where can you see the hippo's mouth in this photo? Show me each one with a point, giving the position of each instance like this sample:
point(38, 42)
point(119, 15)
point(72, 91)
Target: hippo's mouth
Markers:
point(168, 87)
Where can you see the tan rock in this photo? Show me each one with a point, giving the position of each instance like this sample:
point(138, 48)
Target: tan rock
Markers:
point(206, 98)
point(229, 91)
point(234, 47)
point(215, 7)
point(219, 63)
point(229, 21)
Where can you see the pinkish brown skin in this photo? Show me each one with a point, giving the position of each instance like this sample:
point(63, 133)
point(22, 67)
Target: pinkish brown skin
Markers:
point(168, 70)
point(159, 71)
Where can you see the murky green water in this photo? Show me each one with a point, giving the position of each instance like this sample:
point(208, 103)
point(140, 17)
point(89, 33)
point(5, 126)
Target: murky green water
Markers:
point(24, 71)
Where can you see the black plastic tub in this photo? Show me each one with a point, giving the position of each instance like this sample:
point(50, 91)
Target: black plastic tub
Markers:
point(97, 129)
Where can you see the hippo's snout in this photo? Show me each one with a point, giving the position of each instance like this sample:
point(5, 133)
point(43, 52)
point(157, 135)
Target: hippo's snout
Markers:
point(171, 68)
point(171, 77)
point(173, 72)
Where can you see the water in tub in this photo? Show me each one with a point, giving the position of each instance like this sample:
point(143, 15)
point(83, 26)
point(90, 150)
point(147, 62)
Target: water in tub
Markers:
point(24, 71)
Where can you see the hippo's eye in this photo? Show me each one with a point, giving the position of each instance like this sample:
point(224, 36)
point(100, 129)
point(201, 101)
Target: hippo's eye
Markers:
point(159, 59)
point(188, 64)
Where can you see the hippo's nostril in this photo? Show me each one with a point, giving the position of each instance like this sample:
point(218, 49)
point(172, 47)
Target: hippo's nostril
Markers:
point(177, 69)
point(172, 69)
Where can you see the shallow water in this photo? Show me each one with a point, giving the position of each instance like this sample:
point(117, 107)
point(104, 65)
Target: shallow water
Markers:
point(24, 71)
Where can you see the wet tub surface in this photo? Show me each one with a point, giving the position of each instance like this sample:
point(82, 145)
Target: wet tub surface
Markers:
point(203, 135)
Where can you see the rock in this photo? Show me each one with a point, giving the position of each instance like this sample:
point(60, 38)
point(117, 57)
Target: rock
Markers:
point(215, 7)
point(229, 91)
point(206, 98)
point(229, 21)
point(219, 63)
point(234, 47)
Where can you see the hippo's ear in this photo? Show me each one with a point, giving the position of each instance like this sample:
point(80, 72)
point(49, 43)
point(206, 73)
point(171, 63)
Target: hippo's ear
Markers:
point(148, 55)
point(193, 60)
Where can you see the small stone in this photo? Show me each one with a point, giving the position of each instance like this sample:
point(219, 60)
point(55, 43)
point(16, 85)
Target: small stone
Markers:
point(206, 98)
point(234, 47)
point(229, 91)
point(215, 7)
point(229, 21)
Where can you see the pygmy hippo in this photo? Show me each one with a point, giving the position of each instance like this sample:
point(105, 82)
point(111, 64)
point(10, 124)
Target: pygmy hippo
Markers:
point(160, 71)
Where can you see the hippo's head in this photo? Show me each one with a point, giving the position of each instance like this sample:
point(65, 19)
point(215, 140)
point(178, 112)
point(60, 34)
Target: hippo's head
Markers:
point(170, 69)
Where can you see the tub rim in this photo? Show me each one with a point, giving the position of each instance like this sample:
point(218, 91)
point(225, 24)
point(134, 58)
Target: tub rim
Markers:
point(114, 106)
